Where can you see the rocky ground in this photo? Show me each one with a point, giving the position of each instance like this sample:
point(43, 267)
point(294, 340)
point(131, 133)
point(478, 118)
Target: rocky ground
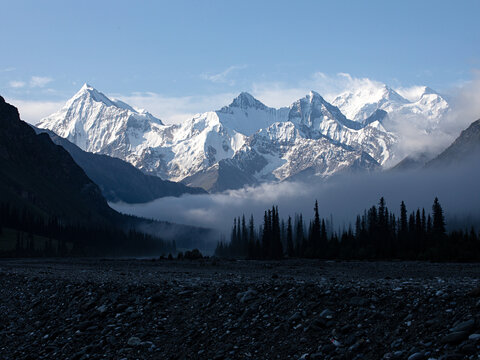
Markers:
point(207, 309)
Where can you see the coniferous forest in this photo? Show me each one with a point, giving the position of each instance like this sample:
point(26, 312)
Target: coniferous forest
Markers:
point(378, 234)
point(34, 235)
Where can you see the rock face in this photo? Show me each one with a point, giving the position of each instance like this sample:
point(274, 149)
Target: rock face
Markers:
point(210, 309)
point(465, 148)
point(245, 142)
point(41, 176)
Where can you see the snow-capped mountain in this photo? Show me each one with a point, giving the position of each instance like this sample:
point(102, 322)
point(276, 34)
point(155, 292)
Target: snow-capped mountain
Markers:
point(315, 117)
point(245, 142)
point(98, 124)
point(421, 102)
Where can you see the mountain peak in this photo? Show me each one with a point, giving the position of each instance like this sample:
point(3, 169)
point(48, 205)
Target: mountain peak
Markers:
point(428, 91)
point(313, 95)
point(245, 101)
point(86, 86)
point(89, 91)
point(89, 110)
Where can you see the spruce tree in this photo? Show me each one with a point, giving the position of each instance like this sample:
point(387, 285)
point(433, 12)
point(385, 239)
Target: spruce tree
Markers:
point(299, 236)
point(403, 220)
point(251, 238)
point(290, 249)
point(316, 241)
point(438, 228)
point(266, 244)
point(234, 238)
point(424, 222)
point(276, 251)
point(244, 237)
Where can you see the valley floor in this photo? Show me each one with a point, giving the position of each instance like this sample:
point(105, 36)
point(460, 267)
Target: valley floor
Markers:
point(141, 309)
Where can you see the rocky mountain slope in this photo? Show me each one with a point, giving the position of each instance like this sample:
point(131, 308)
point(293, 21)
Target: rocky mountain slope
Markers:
point(466, 148)
point(119, 180)
point(40, 176)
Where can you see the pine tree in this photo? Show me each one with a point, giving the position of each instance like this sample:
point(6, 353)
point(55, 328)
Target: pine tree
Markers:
point(290, 249)
point(438, 228)
point(299, 236)
point(251, 239)
point(239, 238)
point(276, 251)
point(315, 240)
point(403, 220)
point(429, 224)
point(234, 238)
point(244, 237)
point(419, 232)
point(424, 222)
point(266, 244)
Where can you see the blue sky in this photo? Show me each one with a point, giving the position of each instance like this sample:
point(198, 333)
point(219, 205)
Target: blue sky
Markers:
point(191, 55)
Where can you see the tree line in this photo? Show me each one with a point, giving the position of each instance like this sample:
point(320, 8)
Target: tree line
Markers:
point(66, 239)
point(377, 234)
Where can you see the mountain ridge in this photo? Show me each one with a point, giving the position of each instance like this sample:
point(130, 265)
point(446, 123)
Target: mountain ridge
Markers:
point(119, 180)
point(466, 147)
point(178, 152)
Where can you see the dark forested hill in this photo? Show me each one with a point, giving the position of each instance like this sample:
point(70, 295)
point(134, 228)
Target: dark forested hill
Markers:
point(119, 180)
point(41, 176)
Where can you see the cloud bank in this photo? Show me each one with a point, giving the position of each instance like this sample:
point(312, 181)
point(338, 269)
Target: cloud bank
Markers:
point(32, 111)
point(343, 197)
point(174, 110)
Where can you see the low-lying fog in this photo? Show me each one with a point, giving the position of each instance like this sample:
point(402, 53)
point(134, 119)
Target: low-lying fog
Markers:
point(343, 197)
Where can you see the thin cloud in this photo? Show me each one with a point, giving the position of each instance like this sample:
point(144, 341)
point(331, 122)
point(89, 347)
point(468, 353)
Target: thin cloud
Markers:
point(280, 94)
point(412, 93)
point(174, 110)
point(9, 69)
point(33, 111)
point(16, 84)
point(39, 81)
point(223, 77)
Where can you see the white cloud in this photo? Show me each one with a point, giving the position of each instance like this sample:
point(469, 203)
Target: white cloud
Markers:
point(466, 101)
point(16, 84)
point(279, 94)
point(33, 111)
point(173, 110)
point(342, 196)
point(39, 81)
point(9, 69)
point(223, 77)
point(412, 93)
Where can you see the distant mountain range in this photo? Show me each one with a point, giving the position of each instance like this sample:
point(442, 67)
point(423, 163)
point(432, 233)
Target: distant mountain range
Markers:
point(246, 142)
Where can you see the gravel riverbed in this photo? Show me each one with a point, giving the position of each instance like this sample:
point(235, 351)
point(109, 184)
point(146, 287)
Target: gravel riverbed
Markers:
point(210, 309)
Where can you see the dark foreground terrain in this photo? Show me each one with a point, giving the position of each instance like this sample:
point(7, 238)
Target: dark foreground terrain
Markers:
point(124, 309)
